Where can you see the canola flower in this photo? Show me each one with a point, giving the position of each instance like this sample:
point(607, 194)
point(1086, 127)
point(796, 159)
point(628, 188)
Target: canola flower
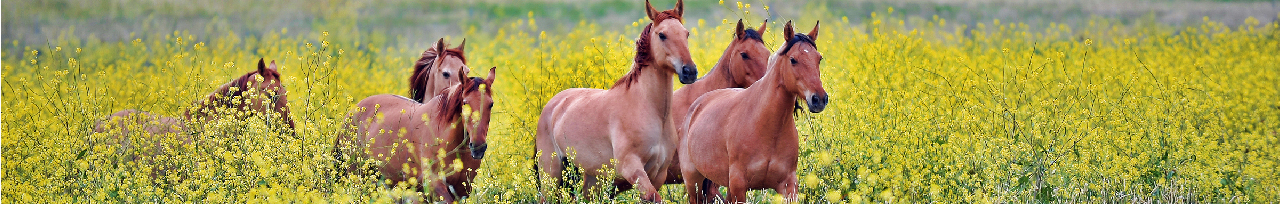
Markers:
point(920, 111)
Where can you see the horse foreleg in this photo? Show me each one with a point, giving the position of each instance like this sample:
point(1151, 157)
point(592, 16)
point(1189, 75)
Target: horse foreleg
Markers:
point(442, 192)
point(789, 187)
point(737, 184)
point(632, 169)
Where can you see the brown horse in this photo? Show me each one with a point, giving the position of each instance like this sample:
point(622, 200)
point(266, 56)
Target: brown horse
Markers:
point(423, 142)
point(257, 92)
point(746, 138)
point(742, 63)
point(629, 122)
point(437, 69)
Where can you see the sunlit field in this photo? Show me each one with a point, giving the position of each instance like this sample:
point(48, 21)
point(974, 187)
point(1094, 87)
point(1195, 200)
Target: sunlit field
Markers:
point(922, 109)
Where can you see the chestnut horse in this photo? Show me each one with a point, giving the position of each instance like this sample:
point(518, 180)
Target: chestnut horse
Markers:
point(746, 138)
point(256, 92)
point(437, 69)
point(629, 122)
point(423, 142)
point(742, 63)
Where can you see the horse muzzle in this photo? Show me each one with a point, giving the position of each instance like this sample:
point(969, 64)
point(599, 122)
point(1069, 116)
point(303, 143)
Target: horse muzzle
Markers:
point(477, 151)
point(817, 103)
point(688, 73)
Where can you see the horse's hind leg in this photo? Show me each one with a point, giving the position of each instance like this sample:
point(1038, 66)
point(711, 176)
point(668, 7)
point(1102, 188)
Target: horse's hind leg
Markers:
point(693, 188)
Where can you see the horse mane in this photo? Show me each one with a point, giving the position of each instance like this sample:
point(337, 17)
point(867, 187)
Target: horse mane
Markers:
point(451, 102)
point(422, 71)
point(799, 37)
point(644, 51)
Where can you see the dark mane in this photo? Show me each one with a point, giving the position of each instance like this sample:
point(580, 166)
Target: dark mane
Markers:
point(451, 102)
point(644, 52)
point(242, 84)
point(799, 37)
point(751, 33)
point(644, 58)
point(422, 69)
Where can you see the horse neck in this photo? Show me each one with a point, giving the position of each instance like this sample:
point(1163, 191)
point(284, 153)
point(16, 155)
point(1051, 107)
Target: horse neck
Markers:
point(210, 102)
point(772, 98)
point(653, 86)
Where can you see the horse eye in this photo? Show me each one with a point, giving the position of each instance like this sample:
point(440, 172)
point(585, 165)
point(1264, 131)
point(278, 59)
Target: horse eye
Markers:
point(662, 36)
point(744, 56)
point(446, 75)
point(793, 61)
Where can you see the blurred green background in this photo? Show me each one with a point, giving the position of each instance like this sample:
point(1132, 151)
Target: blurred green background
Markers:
point(411, 22)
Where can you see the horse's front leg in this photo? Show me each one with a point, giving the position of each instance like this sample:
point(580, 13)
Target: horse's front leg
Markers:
point(789, 187)
point(737, 183)
point(442, 192)
point(632, 168)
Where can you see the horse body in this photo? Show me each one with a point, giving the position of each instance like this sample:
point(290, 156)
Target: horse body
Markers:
point(629, 123)
point(746, 138)
point(424, 142)
point(742, 64)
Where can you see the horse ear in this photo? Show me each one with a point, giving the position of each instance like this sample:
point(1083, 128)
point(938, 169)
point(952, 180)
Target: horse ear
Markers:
point(763, 26)
point(788, 31)
point(680, 8)
point(439, 49)
point(273, 66)
point(462, 45)
point(814, 33)
point(738, 33)
point(492, 73)
point(648, 10)
point(262, 65)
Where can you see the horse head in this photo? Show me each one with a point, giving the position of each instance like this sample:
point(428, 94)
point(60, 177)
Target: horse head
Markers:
point(671, 49)
point(477, 101)
point(747, 57)
point(437, 69)
point(798, 61)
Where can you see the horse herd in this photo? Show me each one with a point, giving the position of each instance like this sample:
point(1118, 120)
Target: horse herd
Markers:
point(734, 127)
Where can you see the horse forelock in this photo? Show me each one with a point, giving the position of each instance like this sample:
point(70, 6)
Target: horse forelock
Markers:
point(752, 34)
point(798, 38)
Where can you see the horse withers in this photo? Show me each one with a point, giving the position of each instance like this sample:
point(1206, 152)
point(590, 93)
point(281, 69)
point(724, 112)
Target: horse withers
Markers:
point(438, 144)
point(629, 123)
point(746, 138)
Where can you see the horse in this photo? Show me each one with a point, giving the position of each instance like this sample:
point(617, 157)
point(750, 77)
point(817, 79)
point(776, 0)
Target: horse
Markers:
point(259, 91)
point(450, 65)
point(424, 142)
point(742, 63)
point(629, 122)
point(256, 92)
point(746, 138)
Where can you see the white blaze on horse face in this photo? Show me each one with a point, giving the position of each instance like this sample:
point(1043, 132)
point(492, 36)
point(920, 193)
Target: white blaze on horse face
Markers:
point(676, 64)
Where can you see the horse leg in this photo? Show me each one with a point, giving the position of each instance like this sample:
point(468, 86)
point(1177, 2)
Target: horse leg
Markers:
point(692, 187)
point(441, 190)
point(789, 187)
point(711, 191)
point(737, 184)
point(632, 169)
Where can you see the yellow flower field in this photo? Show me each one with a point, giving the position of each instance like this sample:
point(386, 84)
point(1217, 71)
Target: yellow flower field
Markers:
point(920, 111)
